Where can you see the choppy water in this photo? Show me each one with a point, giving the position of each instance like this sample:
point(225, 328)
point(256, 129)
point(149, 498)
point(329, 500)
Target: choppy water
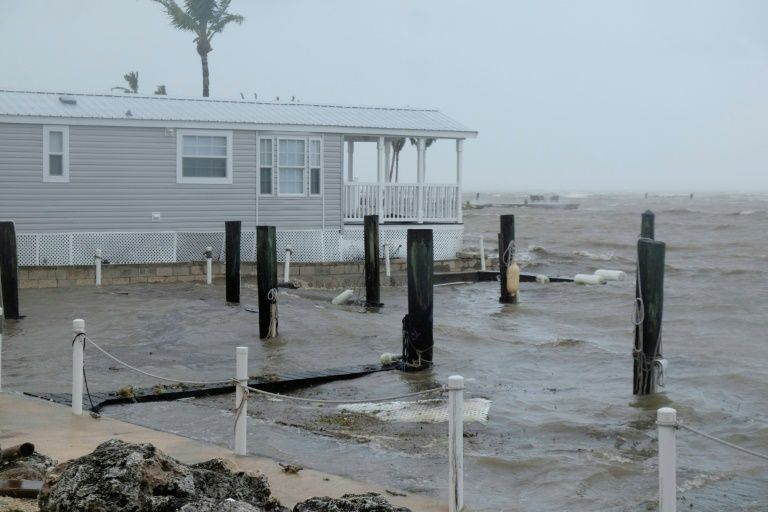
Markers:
point(565, 432)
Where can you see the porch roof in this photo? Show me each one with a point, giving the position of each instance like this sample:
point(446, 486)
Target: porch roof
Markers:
point(133, 109)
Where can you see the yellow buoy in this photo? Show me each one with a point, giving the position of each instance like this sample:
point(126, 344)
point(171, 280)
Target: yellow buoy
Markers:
point(513, 278)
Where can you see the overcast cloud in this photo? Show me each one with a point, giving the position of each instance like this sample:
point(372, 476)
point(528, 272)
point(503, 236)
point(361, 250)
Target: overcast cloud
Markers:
point(567, 95)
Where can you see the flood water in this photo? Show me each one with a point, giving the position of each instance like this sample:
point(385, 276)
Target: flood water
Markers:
point(564, 431)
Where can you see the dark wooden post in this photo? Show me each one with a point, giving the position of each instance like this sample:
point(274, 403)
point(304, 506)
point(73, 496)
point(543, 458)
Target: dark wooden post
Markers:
point(372, 277)
point(9, 270)
point(266, 280)
point(647, 225)
point(417, 324)
point(506, 242)
point(232, 250)
point(650, 303)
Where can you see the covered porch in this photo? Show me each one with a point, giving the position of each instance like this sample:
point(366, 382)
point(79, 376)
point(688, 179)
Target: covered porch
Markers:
point(395, 201)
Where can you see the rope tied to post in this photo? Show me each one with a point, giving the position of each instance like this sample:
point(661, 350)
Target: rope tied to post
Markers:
point(273, 298)
point(410, 338)
point(509, 253)
point(244, 400)
point(681, 425)
point(148, 374)
point(279, 396)
point(638, 318)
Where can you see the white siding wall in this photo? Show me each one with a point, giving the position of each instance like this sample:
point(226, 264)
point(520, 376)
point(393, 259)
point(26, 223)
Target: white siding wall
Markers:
point(120, 175)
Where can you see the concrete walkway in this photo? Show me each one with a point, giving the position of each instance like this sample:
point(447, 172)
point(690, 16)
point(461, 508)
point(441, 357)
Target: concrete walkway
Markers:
point(60, 435)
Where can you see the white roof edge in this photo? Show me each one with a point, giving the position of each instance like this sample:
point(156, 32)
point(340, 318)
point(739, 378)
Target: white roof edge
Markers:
point(162, 97)
point(159, 123)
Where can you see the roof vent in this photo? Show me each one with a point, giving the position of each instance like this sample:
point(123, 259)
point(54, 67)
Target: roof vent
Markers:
point(68, 100)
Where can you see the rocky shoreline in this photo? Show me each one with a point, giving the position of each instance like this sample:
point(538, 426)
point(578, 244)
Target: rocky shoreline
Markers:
point(122, 476)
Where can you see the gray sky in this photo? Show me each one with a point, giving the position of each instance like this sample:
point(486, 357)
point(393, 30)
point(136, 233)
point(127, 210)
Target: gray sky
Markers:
point(567, 95)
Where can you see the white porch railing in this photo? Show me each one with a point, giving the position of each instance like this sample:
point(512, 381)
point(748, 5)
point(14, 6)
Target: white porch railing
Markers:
point(400, 202)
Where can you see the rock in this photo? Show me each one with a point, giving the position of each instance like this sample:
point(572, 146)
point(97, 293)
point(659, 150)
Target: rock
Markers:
point(210, 505)
point(119, 476)
point(369, 502)
point(219, 481)
point(31, 467)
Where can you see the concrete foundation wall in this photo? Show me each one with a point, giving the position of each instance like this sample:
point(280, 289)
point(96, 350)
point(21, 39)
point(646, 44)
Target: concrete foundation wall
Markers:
point(313, 275)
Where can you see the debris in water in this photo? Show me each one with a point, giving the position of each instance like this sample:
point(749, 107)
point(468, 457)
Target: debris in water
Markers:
point(290, 469)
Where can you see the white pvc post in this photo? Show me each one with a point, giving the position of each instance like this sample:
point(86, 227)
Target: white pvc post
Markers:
point(287, 264)
point(78, 327)
point(666, 419)
point(97, 261)
point(208, 265)
point(241, 357)
point(1, 348)
point(386, 260)
point(456, 442)
point(482, 254)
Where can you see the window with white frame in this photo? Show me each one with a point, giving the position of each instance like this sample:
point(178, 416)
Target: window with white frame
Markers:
point(290, 167)
point(265, 167)
point(56, 154)
point(204, 156)
point(292, 155)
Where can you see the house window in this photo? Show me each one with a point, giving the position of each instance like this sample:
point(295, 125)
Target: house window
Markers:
point(296, 163)
point(56, 154)
point(292, 162)
point(204, 157)
point(265, 167)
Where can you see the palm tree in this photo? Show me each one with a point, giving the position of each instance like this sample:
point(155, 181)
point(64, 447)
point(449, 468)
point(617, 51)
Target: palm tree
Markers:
point(204, 18)
point(427, 142)
point(394, 168)
point(132, 77)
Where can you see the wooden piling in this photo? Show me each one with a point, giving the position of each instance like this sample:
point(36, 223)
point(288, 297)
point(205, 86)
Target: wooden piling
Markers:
point(372, 276)
point(9, 270)
point(417, 325)
point(650, 303)
point(266, 280)
point(232, 249)
point(506, 254)
point(647, 225)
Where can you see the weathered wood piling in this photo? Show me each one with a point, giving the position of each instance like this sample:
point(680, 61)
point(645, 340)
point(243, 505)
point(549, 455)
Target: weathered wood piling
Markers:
point(506, 256)
point(417, 324)
point(372, 276)
point(266, 280)
point(232, 250)
point(9, 270)
point(650, 304)
point(647, 225)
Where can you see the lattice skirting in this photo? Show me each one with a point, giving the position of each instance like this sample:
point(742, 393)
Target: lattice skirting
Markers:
point(309, 245)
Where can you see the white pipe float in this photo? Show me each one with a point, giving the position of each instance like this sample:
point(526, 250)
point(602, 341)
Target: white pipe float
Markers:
point(343, 297)
point(589, 279)
point(386, 260)
point(541, 278)
point(208, 265)
point(611, 275)
point(97, 260)
point(78, 327)
point(482, 255)
point(287, 264)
